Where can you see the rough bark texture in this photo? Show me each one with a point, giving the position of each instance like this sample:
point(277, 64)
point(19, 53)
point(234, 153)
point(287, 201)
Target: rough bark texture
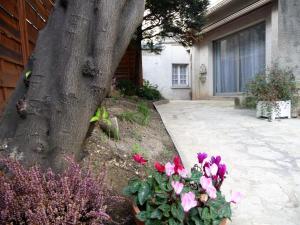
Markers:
point(72, 65)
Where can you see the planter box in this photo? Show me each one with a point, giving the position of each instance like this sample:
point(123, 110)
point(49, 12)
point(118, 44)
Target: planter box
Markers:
point(136, 210)
point(273, 110)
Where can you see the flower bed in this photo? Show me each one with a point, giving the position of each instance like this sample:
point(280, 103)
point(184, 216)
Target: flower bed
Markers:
point(170, 194)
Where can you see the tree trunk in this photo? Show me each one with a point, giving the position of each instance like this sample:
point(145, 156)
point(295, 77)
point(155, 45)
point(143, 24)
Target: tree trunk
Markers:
point(72, 66)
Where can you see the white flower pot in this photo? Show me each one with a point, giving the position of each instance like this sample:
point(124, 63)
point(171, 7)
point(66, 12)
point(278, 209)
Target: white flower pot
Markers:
point(273, 110)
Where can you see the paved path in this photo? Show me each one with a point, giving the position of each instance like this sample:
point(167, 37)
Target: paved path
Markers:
point(263, 157)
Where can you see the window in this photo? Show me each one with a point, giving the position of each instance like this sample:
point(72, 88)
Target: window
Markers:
point(180, 75)
point(238, 58)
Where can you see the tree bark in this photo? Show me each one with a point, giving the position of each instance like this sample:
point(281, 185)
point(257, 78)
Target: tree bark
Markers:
point(72, 66)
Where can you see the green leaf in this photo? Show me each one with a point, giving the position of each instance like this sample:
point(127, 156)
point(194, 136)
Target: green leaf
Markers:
point(28, 74)
point(134, 186)
point(180, 213)
point(205, 214)
point(177, 212)
point(165, 207)
point(156, 214)
point(142, 216)
point(197, 220)
point(144, 193)
point(96, 117)
point(195, 176)
point(172, 221)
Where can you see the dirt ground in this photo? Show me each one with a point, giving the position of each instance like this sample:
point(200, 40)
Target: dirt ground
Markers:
point(152, 141)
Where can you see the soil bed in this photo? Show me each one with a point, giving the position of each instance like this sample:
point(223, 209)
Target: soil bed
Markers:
point(152, 141)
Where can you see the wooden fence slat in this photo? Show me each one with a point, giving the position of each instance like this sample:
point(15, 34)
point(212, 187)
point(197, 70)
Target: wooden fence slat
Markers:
point(10, 6)
point(9, 31)
point(39, 8)
point(11, 21)
point(32, 33)
point(8, 79)
point(10, 55)
point(9, 42)
point(33, 17)
point(23, 30)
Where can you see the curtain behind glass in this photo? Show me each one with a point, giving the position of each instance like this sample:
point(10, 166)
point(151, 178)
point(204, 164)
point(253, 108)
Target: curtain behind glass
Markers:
point(252, 54)
point(238, 58)
point(226, 64)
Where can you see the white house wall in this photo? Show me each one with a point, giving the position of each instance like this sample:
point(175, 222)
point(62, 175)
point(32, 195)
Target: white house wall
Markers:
point(158, 70)
point(202, 53)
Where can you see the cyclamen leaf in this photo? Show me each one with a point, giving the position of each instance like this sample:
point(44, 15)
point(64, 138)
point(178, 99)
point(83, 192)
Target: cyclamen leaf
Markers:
point(205, 214)
point(156, 214)
point(177, 212)
point(172, 221)
point(144, 193)
point(142, 216)
point(165, 207)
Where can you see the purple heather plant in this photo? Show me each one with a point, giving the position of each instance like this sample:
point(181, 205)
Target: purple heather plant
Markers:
point(29, 196)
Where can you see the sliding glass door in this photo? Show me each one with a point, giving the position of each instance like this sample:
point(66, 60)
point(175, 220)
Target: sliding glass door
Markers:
point(237, 59)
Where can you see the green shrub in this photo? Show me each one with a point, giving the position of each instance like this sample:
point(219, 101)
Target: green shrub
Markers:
point(149, 91)
point(275, 85)
point(127, 87)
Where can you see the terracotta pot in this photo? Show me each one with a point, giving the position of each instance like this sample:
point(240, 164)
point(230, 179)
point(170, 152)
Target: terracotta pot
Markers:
point(136, 210)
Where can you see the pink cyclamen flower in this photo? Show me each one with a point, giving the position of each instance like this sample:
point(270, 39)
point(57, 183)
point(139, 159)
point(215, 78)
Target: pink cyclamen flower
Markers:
point(205, 182)
point(212, 192)
point(170, 169)
point(201, 157)
point(188, 201)
point(183, 172)
point(177, 186)
point(236, 197)
point(212, 170)
point(207, 185)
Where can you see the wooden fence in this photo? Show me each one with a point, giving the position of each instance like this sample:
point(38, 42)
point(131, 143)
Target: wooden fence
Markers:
point(20, 21)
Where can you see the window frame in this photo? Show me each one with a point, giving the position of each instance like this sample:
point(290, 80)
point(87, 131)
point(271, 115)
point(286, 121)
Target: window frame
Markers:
point(178, 67)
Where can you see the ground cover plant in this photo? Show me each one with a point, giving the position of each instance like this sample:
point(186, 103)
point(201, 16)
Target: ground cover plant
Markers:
point(170, 194)
point(141, 116)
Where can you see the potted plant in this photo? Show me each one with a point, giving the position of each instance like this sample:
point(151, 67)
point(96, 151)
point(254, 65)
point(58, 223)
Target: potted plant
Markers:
point(169, 194)
point(275, 93)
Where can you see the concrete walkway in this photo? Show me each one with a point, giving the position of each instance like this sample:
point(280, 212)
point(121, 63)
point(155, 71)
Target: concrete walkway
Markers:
point(263, 157)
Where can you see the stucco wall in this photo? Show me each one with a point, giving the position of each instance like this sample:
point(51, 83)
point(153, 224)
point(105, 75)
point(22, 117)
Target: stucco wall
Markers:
point(202, 52)
point(158, 70)
point(289, 35)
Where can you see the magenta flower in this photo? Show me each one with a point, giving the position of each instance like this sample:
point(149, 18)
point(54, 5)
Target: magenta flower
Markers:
point(188, 201)
point(222, 171)
point(201, 157)
point(236, 197)
point(215, 160)
point(177, 186)
point(170, 169)
point(183, 172)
